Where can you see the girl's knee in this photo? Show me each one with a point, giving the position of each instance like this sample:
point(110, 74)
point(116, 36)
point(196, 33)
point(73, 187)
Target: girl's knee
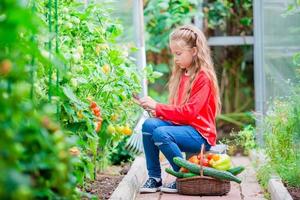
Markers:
point(150, 124)
point(160, 135)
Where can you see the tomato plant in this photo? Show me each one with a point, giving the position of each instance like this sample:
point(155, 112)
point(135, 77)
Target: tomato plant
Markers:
point(35, 160)
point(66, 86)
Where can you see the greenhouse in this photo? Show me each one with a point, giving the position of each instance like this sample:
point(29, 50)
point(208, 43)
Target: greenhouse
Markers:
point(150, 99)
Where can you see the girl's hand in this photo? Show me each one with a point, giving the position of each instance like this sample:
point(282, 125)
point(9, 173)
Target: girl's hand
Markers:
point(148, 103)
point(153, 113)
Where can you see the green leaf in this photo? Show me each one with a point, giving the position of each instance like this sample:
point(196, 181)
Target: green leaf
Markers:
point(69, 93)
point(157, 74)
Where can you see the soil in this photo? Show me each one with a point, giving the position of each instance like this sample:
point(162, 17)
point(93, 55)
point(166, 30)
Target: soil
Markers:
point(294, 192)
point(107, 181)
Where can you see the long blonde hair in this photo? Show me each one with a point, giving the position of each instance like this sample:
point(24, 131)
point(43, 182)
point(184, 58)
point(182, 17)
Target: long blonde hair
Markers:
point(193, 37)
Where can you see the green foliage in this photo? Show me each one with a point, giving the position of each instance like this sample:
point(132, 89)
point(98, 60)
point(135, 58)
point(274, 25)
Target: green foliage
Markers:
point(238, 119)
point(55, 60)
point(263, 175)
point(120, 154)
point(244, 139)
point(217, 13)
point(91, 66)
point(282, 137)
point(293, 8)
point(35, 161)
point(282, 130)
point(229, 16)
point(161, 16)
point(151, 74)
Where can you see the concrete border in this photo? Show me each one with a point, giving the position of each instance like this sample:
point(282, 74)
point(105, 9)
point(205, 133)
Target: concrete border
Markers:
point(275, 186)
point(277, 190)
point(130, 184)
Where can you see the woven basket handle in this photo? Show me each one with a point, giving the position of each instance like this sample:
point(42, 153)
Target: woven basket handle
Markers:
point(201, 157)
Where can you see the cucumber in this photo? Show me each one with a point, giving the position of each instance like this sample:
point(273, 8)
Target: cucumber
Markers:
point(207, 171)
point(236, 170)
point(180, 174)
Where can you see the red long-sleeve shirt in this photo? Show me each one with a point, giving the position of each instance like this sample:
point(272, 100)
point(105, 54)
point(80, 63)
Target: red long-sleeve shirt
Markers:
point(199, 111)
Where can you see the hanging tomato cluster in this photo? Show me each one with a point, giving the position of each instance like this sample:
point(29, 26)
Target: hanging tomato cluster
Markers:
point(97, 113)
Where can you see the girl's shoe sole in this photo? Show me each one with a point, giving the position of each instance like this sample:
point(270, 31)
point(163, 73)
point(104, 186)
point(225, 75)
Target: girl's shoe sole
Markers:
point(168, 190)
point(149, 190)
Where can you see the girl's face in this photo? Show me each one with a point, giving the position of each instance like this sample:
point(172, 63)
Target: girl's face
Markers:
point(183, 55)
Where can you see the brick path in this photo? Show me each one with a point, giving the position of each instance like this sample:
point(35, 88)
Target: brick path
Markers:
point(249, 189)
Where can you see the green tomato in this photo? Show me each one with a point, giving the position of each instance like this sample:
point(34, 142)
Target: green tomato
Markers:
point(76, 20)
point(61, 169)
point(80, 49)
point(74, 83)
point(111, 129)
point(58, 137)
point(65, 10)
point(23, 192)
point(76, 56)
point(68, 25)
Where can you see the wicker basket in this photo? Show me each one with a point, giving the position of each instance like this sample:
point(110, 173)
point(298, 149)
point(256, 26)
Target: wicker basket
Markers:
point(202, 185)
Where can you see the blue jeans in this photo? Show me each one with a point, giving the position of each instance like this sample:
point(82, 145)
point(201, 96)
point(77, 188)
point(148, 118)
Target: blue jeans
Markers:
point(171, 140)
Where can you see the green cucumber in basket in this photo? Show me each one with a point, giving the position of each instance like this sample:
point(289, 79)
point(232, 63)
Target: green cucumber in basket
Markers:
point(207, 171)
point(180, 174)
point(236, 170)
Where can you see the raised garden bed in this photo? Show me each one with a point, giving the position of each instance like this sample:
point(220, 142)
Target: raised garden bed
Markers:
point(107, 181)
point(277, 189)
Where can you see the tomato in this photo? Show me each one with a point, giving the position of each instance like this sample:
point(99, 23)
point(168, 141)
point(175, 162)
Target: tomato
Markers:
point(114, 117)
point(182, 169)
point(49, 124)
point(93, 105)
point(74, 151)
point(5, 67)
point(80, 114)
point(216, 157)
point(127, 131)
point(119, 129)
point(98, 125)
point(99, 119)
point(209, 156)
point(111, 129)
point(98, 49)
point(205, 162)
point(106, 69)
point(97, 111)
point(79, 48)
point(74, 82)
point(194, 159)
point(89, 98)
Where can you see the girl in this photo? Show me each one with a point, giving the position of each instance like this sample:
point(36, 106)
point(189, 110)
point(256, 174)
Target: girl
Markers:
point(188, 121)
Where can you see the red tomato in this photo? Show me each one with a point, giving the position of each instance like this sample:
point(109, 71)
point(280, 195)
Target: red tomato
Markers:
point(98, 126)
point(209, 156)
point(205, 162)
point(182, 169)
point(216, 157)
point(97, 111)
point(194, 159)
point(93, 105)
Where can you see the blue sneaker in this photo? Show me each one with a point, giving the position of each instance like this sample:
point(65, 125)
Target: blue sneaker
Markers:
point(151, 186)
point(170, 188)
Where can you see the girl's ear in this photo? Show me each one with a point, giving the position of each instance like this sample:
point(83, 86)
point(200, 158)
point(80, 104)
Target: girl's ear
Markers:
point(195, 51)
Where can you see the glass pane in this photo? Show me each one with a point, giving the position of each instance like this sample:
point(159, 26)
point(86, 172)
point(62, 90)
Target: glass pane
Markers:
point(281, 41)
